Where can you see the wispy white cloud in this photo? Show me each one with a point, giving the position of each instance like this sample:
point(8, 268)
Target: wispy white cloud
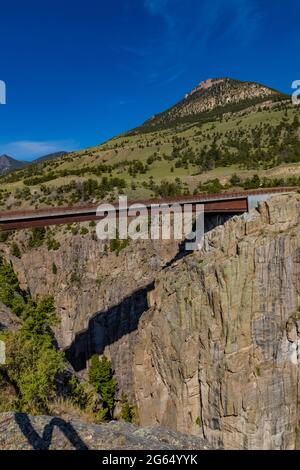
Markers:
point(239, 19)
point(173, 77)
point(166, 77)
point(163, 9)
point(29, 149)
point(194, 28)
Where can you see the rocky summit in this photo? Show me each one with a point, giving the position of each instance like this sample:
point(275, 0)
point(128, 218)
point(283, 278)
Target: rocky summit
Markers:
point(219, 94)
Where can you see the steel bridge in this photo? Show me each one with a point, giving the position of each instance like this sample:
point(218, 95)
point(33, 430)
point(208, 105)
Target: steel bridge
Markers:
point(224, 203)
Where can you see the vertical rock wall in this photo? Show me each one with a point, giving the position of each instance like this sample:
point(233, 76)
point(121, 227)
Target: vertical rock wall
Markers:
point(217, 354)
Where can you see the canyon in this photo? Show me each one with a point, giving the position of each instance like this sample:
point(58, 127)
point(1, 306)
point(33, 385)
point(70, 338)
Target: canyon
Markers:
point(203, 343)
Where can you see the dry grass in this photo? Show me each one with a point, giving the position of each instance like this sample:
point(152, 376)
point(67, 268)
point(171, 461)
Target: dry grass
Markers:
point(67, 410)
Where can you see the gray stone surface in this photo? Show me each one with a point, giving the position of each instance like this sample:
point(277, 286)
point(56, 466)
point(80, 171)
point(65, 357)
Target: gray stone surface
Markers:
point(23, 432)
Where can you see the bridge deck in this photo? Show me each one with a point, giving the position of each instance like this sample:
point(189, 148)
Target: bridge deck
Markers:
point(230, 202)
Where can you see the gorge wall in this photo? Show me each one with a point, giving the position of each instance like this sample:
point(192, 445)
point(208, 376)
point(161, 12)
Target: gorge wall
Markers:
point(206, 344)
point(219, 348)
point(99, 295)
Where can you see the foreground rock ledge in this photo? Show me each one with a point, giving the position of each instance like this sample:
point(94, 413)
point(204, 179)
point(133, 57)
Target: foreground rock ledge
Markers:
point(20, 431)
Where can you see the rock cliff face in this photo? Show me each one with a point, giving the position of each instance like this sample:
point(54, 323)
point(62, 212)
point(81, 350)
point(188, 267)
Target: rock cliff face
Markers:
point(217, 354)
point(99, 296)
point(207, 344)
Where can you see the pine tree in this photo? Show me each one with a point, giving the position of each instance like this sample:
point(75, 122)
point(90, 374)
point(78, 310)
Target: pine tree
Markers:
point(101, 377)
point(127, 413)
point(296, 122)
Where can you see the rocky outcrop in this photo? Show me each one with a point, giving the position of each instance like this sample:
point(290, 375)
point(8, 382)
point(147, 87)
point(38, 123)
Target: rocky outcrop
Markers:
point(8, 321)
point(23, 432)
point(217, 354)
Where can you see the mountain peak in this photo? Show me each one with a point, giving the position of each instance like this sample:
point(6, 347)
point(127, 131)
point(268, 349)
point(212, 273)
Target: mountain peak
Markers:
point(8, 163)
point(206, 84)
point(211, 99)
point(8, 157)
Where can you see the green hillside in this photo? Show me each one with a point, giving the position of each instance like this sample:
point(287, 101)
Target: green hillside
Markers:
point(221, 136)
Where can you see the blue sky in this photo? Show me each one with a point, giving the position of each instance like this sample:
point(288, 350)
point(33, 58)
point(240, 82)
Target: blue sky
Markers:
point(78, 72)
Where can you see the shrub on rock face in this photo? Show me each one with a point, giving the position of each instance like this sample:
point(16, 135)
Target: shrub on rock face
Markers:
point(53, 244)
point(4, 236)
point(127, 410)
point(54, 268)
point(37, 237)
point(15, 250)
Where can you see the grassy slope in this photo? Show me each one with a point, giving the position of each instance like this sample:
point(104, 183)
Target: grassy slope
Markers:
point(141, 146)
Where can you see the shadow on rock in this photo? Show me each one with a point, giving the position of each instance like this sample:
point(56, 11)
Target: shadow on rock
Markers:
point(43, 442)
